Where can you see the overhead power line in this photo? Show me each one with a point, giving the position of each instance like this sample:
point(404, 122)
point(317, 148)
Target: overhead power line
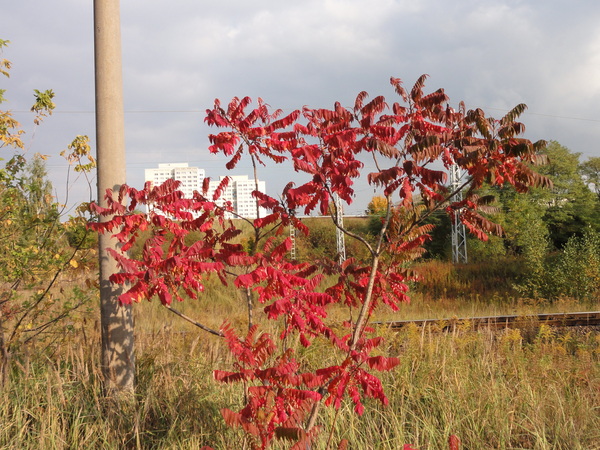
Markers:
point(201, 111)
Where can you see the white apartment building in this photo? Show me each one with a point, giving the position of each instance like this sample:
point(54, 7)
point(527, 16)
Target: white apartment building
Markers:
point(238, 192)
point(191, 177)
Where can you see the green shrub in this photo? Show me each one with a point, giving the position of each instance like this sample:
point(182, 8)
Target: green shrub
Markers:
point(577, 270)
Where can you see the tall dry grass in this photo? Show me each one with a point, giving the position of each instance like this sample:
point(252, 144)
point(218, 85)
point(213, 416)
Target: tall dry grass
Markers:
point(534, 388)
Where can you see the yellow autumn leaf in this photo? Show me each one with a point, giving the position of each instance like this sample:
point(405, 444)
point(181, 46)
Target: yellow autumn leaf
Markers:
point(74, 263)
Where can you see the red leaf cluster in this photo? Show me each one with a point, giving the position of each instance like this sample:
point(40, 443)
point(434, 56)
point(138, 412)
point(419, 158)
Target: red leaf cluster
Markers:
point(328, 148)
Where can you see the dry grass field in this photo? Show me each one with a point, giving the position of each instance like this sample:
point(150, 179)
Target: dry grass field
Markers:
point(535, 388)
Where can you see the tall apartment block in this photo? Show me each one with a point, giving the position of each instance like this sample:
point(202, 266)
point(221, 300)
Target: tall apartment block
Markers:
point(191, 177)
point(238, 192)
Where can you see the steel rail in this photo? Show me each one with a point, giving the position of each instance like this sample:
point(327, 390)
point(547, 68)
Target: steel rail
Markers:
point(571, 319)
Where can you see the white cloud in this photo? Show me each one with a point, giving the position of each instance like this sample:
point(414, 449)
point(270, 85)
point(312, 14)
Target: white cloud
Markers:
point(181, 55)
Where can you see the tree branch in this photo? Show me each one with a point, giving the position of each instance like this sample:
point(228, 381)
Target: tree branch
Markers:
point(193, 322)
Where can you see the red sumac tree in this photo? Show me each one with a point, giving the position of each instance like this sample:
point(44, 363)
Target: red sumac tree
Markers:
point(413, 142)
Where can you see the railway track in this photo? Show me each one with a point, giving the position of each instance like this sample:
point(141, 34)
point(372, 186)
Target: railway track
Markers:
point(573, 319)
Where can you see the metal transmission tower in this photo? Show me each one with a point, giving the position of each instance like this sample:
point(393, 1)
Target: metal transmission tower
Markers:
point(339, 234)
point(293, 239)
point(459, 234)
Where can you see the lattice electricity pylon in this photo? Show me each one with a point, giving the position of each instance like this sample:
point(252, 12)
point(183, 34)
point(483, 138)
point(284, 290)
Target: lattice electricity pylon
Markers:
point(339, 234)
point(459, 233)
point(293, 239)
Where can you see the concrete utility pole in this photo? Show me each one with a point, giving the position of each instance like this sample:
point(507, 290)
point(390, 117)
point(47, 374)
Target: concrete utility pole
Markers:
point(118, 363)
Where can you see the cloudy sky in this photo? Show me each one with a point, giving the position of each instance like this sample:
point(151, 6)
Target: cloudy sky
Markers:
point(179, 55)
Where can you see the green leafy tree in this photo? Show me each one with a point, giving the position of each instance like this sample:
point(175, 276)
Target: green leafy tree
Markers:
point(545, 220)
point(33, 247)
point(28, 231)
point(559, 212)
point(591, 173)
point(570, 205)
point(38, 189)
point(440, 244)
point(577, 270)
point(377, 210)
point(529, 235)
